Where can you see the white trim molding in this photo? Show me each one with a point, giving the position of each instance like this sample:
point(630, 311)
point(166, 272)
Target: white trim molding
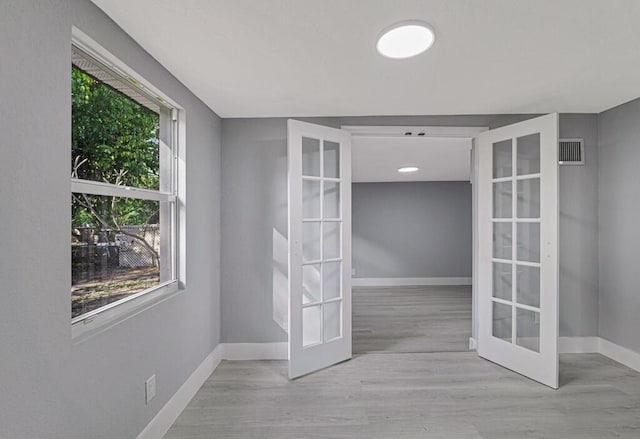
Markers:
point(168, 414)
point(422, 131)
point(602, 346)
point(622, 355)
point(599, 345)
point(255, 351)
point(578, 345)
point(408, 281)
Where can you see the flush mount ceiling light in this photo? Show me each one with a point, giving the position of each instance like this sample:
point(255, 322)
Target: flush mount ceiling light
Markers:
point(406, 169)
point(405, 39)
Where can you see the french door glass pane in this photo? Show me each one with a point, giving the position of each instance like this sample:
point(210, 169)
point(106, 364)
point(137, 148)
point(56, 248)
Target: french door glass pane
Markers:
point(310, 199)
point(331, 240)
point(331, 277)
point(528, 329)
point(331, 159)
point(528, 242)
point(528, 285)
point(310, 241)
point(502, 196)
point(529, 198)
point(501, 318)
point(331, 199)
point(502, 284)
point(502, 159)
point(311, 320)
point(311, 284)
point(310, 157)
point(528, 157)
point(332, 317)
point(502, 240)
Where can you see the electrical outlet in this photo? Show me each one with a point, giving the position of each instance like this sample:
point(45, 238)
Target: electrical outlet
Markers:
point(150, 388)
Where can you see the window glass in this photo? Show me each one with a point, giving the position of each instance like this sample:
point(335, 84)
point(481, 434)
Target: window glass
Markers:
point(111, 260)
point(114, 139)
point(121, 237)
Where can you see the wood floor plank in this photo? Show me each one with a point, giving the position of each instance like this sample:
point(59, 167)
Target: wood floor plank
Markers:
point(411, 319)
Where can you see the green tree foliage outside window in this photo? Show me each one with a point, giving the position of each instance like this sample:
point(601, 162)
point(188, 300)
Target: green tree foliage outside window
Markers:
point(114, 140)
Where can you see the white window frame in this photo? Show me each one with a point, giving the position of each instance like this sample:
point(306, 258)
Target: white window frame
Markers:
point(95, 321)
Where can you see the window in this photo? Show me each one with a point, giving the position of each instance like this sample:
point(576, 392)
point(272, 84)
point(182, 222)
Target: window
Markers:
point(123, 189)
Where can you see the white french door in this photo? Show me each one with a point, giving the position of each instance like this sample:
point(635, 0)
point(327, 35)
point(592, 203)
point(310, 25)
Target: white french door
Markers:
point(518, 247)
point(319, 247)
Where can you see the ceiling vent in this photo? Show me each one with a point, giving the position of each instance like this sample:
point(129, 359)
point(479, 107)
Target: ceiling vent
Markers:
point(571, 152)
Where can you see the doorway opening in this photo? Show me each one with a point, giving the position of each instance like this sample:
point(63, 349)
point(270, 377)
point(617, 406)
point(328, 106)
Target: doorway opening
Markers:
point(514, 170)
point(412, 238)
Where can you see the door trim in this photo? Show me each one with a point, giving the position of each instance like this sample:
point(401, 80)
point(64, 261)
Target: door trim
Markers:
point(433, 131)
point(438, 131)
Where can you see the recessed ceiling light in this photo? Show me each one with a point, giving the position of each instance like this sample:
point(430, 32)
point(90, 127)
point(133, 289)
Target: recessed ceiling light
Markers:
point(405, 169)
point(405, 39)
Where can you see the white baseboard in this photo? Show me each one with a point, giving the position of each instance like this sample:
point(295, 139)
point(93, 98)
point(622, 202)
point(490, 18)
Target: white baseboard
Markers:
point(408, 281)
point(578, 345)
point(622, 355)
point(255, 351)
point(585, 345)
point(599, 345)
point(168, 414)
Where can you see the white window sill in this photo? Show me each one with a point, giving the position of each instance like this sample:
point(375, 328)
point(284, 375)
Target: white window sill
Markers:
point(93, 323)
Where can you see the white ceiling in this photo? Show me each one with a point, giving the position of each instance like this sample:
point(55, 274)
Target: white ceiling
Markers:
point(377, 159)
point(250, 58)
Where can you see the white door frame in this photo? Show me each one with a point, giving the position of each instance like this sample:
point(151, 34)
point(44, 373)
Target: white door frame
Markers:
point(460, 132)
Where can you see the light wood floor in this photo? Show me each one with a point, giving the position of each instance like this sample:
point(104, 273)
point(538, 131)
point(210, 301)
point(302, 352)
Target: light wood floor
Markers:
point(432, 395)
point(450, 395)
point(411, 319)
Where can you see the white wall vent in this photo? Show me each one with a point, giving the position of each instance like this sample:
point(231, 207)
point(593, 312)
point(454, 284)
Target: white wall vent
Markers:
point(571, 152)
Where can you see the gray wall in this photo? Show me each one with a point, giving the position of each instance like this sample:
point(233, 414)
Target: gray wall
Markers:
point(412, 229)
point(578, 232)
point(619, 217)
point(254, 221)
point(51, 387)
